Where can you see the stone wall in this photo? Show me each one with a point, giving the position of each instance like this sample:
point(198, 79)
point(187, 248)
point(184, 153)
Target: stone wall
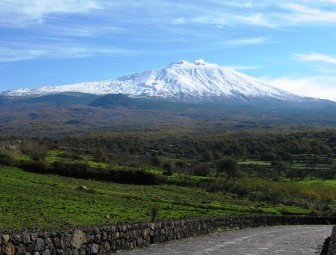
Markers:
point(332, 243)
point(108, 239)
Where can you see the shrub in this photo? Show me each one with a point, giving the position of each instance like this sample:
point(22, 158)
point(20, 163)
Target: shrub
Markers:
point(38, 166)
point(83, 171)
point(168, 169)
point(6, 159)
point(34, 150)
point(216, 186)
point(229, 166)
point(201, 169)
point(155, 161)
point(240, 191)
point(263, 196)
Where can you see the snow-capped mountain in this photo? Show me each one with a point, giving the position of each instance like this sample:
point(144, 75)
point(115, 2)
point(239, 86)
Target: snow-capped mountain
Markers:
point(183, 80)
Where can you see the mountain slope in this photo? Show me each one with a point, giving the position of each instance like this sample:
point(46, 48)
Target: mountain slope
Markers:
point(186, 81)
point(202, 81)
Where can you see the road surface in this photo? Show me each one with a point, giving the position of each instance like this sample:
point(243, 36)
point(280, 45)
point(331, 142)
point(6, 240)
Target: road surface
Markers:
point(269, 240)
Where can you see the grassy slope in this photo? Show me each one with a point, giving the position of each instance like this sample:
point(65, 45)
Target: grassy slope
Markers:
point(31, 200)
point(330, 184)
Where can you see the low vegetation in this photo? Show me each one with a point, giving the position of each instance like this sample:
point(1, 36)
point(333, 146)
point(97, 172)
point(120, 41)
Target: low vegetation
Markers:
point(48, 201)
point(138, 176)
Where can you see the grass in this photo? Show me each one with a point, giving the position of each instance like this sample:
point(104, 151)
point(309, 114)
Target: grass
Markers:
point(306, 190)
point(330, 184)
point(31, 200)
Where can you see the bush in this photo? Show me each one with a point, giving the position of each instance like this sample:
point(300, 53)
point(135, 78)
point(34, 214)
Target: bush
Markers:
point(83, 171)
point(200, 169)
point(139, 177)
point(155, 161)
point(39, 166)
point(6, 159)
point(34, 150)
point(240, 191)
point(264, 196)
point(229, 166)
point(168, 169)
point(76, 170)
point(216, 186)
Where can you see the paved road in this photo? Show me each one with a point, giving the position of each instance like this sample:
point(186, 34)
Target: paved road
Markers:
point(269, 240)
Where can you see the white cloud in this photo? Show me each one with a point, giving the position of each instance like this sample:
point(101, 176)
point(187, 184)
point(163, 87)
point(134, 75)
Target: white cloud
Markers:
point(249, 41)
point(238, 68)
point(300, 13)
point(229, 19)
point(272, 14)
point(312, 57)
point(19, 13)
point(179, 21)
point(261, 13)
point(22, 51)
point(214, 12)
point(316, 86)
point(161, 21)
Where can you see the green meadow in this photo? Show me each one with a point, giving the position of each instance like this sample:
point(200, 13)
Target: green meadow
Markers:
point(30, 200)
point(125, 178)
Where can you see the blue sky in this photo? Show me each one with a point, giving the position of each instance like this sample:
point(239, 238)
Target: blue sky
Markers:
point(290, 44)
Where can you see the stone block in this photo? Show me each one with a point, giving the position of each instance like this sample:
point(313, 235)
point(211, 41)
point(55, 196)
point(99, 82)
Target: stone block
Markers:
point(106, 246)
point(82, 251)
point(57, 242)
point(94, 249)
point(8, 248)
point(116, 235)
point(104, 236)
point(46, 252)
point(49, 243)
point(145, 233)
point(97, 238)
point(5, 238)
point(39, 244)
point(15, 239)
point(33, 236)
point(62, 243)
point(78, 239)
point(59, 252)
point(25, 237)
point(95, 231)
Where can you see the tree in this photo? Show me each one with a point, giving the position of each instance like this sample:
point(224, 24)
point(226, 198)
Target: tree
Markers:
point(229, 166)
point(201, 169)
point(155, 161)
point(207, 155)
point(35, 150)
point(168, 169)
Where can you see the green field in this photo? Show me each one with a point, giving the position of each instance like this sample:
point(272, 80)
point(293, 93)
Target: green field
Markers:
point(31, 200)
point(124, 177)
point(330, 184)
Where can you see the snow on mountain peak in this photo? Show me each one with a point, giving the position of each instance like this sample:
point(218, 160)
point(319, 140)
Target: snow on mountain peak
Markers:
point(200, 62)
point(185, 63)
point(182, 80)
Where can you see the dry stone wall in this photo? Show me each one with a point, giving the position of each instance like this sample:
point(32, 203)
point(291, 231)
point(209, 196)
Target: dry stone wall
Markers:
point(332, 242)
point(109, 239)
